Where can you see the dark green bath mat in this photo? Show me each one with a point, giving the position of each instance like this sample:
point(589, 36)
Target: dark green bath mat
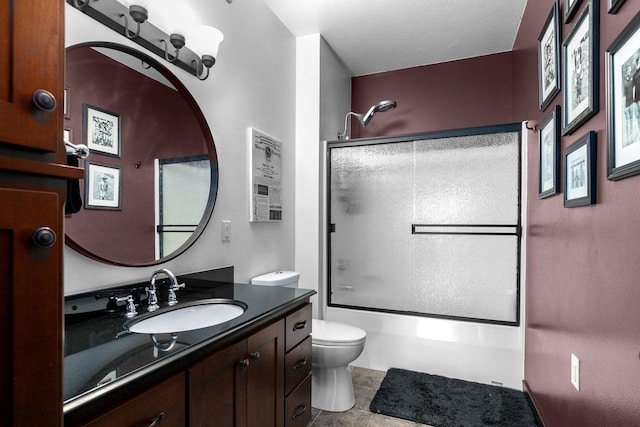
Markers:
point(447, 402)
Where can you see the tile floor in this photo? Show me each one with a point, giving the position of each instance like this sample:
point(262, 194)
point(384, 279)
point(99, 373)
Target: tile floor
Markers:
point(365, 385)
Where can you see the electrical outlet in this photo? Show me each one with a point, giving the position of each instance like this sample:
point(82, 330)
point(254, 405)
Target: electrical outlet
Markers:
point(575, 371)
point(226, 230)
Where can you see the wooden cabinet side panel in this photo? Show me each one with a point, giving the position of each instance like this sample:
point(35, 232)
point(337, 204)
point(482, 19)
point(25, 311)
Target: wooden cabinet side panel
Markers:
point(265, 377)
point(217, 389)
point(35, 320)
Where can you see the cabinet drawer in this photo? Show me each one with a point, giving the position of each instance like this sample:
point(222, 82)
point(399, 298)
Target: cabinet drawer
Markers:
point(166, 398)
point(298, 326)
point(297, 408)
point(297, 365)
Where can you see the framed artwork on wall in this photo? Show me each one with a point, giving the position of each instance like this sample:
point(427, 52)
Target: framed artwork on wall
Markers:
point(580, 57)
point(102, 186)
point(623, 103)
point(549, 155)
point(549, 58)
point(102, 131)
point(570, 9)
point(580, 172)
point(615, 5)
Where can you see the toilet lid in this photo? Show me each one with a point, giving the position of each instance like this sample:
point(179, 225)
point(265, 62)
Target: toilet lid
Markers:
point(324, 332)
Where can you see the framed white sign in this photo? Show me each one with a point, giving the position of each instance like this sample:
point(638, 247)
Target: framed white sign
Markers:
point(265, 164)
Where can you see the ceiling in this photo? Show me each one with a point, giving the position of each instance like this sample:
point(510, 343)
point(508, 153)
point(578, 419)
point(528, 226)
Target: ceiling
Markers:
point(373, 36)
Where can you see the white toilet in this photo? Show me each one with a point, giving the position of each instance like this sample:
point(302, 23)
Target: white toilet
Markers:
point(333, 346)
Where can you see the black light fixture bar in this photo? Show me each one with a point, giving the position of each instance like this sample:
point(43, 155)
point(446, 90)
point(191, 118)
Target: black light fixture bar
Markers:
point(109, 13)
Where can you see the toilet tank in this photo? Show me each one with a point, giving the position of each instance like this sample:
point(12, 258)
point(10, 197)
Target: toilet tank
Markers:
point(287, 279)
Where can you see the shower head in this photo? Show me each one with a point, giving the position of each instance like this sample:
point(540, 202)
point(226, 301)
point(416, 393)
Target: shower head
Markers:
point(381, 106)
point(365, 118)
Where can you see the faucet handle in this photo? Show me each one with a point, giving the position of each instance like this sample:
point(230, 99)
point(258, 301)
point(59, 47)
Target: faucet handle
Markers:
point(131, 306)
point(173, 300)
point(153, 299)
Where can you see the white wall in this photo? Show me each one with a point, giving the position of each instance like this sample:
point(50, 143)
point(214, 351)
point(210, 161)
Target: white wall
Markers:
point(251, 85)
point(323, 96)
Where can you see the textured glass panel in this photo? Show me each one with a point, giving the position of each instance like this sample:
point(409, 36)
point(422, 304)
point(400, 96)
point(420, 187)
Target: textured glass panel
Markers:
point(467, 180)
point(380, 191)
point(466, 276)
point(371, 204)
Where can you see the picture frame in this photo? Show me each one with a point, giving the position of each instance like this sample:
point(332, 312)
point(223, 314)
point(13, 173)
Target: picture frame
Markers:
point(580, 172)
point(66, 100)
point(102, 130)
point(570, 9)
point(102, 186)
point(549, 155)
point(549, 58)
point(623, 103)
point(580, 77)
point(615, 5)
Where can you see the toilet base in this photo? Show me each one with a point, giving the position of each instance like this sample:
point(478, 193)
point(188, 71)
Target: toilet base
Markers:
point(332, 389)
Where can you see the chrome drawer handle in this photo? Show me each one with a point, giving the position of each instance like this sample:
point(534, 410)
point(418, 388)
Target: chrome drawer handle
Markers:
point(157, 419)
point(255, 356)
point(299, 364)
point(300, 325)
point(299, 411)
point(244, 364)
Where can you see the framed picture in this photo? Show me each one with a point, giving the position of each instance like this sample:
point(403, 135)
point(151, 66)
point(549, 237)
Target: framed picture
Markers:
point(570, 9)
point(623, 103)
point(102, 131)
point(102, 186)
point(66, 99)
point(549, 58)
point(580, 172)
point(580, 57)
point(615, 5)
point(549, 155)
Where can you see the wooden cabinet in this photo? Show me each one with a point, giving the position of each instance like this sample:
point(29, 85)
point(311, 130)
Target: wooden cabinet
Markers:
point(298, 368)
point(241, 385)
point(162, 405)
point(31, 59)
point(33, 177)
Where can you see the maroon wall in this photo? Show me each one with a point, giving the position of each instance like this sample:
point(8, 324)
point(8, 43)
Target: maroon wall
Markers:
point(156, 122)
point(583, 264)
point(466, 93)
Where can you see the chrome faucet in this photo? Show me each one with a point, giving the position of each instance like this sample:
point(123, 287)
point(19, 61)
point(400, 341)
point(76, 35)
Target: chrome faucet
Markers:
point(173, 287)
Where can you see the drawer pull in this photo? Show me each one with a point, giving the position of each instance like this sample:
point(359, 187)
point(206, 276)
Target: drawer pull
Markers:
point(255, 356)
point(299, 411)
point(299, 364)
point(157, 419)
point(300, 325)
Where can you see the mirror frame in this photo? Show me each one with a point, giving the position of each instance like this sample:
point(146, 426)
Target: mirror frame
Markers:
point(208, 137)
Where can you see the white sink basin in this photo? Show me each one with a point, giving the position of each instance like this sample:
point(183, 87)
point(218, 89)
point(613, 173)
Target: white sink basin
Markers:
point(187, 317)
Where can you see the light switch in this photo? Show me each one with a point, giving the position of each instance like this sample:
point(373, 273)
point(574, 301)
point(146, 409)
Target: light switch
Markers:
point(226, 230)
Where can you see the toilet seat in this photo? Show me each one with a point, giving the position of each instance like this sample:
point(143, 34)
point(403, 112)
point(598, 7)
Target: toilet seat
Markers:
point(327, 333)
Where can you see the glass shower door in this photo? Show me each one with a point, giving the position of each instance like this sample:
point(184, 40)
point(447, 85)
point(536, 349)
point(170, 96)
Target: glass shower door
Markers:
point(427, 225)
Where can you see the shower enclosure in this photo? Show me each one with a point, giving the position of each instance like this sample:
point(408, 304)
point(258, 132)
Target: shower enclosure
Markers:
point(427, 225)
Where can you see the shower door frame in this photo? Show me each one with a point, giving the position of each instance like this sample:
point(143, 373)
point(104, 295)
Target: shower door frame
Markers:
point(513, 229)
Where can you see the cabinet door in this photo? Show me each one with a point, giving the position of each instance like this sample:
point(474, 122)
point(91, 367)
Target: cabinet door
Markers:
point(30, 309)
point(217, 389)
point(265, 377)
point(31, 58)
point(161, 405)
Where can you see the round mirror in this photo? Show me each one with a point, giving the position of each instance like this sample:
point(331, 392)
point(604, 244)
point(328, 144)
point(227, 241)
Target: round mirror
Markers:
point(151, 178)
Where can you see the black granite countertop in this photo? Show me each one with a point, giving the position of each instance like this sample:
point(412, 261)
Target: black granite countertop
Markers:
point(101, 356)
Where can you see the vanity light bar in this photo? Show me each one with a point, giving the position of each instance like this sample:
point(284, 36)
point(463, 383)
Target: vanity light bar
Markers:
point(110, 12)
